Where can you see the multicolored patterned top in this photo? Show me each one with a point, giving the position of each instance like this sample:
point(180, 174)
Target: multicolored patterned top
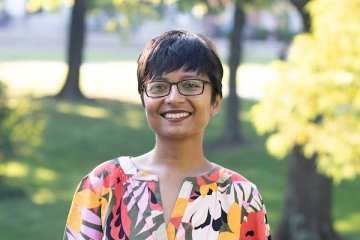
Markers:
point(118, 201)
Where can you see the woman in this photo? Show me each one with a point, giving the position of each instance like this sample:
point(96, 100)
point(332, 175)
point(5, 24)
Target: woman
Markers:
point(173, 191)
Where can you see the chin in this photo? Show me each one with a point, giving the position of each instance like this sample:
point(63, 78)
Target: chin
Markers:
point(178, 135)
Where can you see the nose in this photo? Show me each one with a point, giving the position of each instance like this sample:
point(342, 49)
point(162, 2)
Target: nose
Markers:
point(174, 95)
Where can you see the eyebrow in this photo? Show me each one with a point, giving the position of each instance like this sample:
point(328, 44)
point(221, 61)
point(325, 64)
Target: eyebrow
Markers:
point(182, 78)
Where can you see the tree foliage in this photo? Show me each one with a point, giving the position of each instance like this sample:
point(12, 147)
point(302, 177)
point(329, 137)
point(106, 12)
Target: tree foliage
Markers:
point(21, 126)
point(315, 99)
point(122, 15)
point(48, 5)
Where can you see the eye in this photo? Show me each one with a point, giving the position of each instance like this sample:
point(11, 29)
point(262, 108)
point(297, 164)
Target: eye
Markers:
point(191, 84)
point(157, 87)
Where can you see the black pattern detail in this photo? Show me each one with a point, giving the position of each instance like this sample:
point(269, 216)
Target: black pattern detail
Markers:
point(250, 233)
point(206, 223)
point(153, 198)
point(216, 224)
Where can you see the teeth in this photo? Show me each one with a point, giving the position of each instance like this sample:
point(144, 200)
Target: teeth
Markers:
point(176, 115)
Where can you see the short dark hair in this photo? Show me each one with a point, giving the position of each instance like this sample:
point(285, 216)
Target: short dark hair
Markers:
point(178, 49)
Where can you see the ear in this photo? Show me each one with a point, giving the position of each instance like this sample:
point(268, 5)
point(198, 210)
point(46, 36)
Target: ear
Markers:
point(215, 107)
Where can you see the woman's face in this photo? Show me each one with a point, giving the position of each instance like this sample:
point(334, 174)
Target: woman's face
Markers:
point(176, 116)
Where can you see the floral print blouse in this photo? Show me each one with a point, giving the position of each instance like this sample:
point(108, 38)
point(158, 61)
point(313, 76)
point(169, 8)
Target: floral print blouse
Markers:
point(118, 201)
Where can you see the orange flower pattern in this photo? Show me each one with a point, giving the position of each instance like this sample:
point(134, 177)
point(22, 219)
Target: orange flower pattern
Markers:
point(118, 201)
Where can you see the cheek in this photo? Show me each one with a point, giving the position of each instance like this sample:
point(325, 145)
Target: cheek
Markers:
point(204, 114)
point(150, 113)
point(151, 121)
point(149, 105)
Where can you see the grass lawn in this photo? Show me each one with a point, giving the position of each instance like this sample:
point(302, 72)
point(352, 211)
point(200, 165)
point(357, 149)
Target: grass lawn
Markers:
point(79, 136)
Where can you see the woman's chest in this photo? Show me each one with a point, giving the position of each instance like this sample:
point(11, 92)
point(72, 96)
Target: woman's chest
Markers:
point(148, 209)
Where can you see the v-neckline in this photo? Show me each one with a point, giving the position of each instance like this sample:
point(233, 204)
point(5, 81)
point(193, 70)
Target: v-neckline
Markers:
point(145, 176)
point(186, 189)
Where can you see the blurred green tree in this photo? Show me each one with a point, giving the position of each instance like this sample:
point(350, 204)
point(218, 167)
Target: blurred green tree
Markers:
point(312, 110)
point(75, 48)
point(21, 128)
point(130, 11)
point(75, 43)
point(231, 131)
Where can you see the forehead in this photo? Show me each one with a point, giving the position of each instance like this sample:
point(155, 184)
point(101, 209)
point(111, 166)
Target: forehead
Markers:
point(180, 74)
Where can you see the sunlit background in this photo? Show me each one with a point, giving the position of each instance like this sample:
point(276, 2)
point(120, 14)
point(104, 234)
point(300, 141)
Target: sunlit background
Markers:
point(69, 138)
point(33, 45)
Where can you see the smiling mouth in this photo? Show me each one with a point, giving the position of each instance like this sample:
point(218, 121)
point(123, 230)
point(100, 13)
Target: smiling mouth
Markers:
point(176, 115)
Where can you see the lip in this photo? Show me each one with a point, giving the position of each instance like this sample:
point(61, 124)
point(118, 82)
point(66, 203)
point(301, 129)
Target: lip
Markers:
point(175, 115)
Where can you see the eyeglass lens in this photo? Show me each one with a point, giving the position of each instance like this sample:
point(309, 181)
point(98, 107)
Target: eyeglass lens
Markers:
point(188, 87)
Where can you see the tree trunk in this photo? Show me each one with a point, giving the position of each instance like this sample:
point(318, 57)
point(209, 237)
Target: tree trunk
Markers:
point(307, 208)
point(305, 17)
point(232, 133)
point(71, 89)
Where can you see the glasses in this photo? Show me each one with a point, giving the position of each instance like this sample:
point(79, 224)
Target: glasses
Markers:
point(187, 87)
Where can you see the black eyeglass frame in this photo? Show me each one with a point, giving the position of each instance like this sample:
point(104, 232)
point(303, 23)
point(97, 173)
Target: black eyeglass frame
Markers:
point(177, 86)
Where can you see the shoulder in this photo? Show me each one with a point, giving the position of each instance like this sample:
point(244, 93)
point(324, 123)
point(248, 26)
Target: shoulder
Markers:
point(107, 173)
point(246, 194)
point(106, 168)
point(233, 177)
point(242, 187)
point(119, 165)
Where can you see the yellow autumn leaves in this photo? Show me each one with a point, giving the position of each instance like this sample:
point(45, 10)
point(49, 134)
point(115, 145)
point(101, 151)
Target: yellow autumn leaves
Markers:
point(315, 99)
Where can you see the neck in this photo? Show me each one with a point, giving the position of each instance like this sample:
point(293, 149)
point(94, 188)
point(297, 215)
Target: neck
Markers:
point(186, 156)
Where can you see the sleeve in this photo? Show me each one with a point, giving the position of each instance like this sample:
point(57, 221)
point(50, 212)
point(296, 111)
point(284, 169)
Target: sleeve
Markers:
point(255, 224)
point(84, 218)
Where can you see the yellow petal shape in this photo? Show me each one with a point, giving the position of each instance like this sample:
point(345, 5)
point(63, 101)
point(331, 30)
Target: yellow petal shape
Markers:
point(74, 219)
point(170, 231)
point(179, 207)
point(227, 236)
point(204, 190)
point(86, 198)
point(234, 218)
